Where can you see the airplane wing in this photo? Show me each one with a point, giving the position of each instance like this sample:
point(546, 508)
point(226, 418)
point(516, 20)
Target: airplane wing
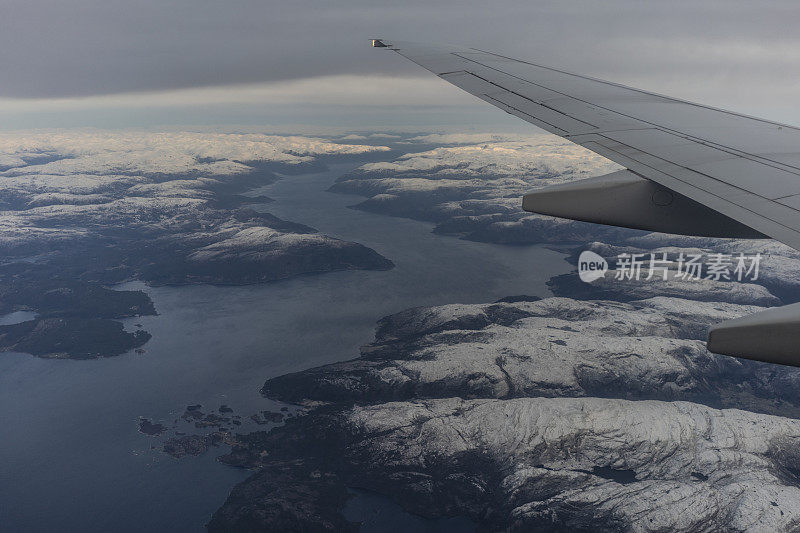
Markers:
point(691, 168)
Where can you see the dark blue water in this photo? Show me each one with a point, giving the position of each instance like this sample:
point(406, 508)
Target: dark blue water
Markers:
point(72, 457)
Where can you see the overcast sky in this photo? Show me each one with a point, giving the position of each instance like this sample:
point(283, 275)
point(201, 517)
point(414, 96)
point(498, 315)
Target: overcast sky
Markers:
point(299, 62)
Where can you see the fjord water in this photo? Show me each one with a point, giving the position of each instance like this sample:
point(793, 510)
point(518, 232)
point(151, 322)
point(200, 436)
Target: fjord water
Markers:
point(72, 457)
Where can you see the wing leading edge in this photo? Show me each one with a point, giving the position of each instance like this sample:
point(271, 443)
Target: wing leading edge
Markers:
point(692, 169)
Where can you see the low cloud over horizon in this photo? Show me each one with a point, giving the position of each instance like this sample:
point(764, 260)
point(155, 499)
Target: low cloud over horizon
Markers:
point(101, 63)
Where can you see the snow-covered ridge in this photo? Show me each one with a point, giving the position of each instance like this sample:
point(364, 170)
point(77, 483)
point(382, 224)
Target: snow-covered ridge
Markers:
point(165, 152)
point(176, 194)
point(541, 155)
point(652, 348)
point(68, 181)
point(260, 243)
point(34, 166)
point(550, 414)
point(473, 184)
point(585, 464)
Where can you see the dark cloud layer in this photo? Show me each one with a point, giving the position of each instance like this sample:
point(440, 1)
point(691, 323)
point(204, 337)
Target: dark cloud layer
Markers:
point(83, 47)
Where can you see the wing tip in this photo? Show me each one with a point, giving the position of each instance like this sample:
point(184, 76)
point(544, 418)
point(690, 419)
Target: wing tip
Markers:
point(378, 43)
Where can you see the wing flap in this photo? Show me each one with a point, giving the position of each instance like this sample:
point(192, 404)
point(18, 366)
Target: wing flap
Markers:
point(558, 119)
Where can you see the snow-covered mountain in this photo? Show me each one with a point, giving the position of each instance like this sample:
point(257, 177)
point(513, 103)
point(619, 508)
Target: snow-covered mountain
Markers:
point(529, 414)
point(473, 184)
